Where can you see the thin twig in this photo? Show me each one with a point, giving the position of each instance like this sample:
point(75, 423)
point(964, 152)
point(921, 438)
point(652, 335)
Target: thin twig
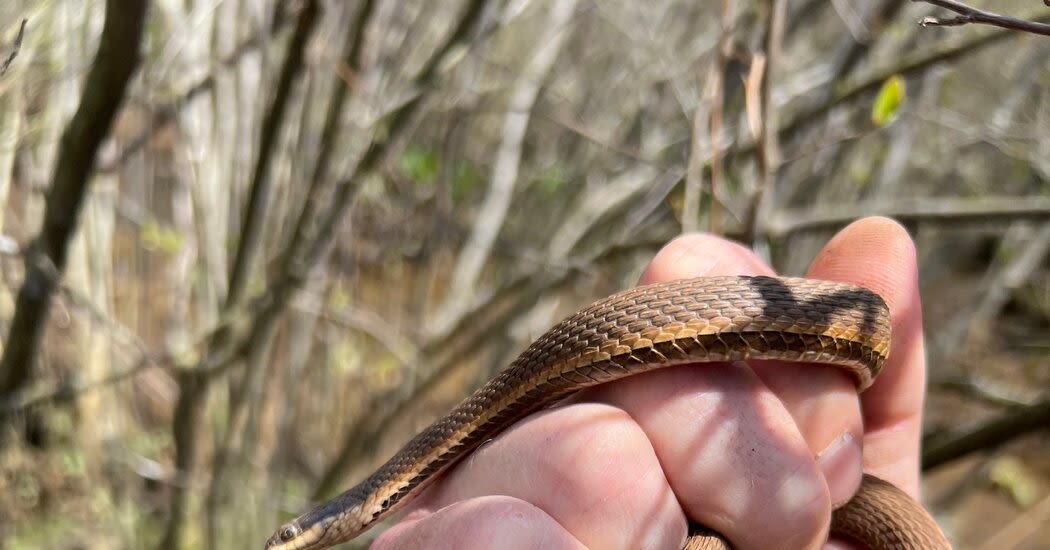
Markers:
point(296, 265)
point(716, 123)
point(784, 224)
point(1004, 276)
point(698, 146)
point(16, 47)
point(352, 60)
point(256, 209)
point(853, 49)
point(568, 122)
point(250, 246)
point(910, 66)
point(619, 193)
point(946, 447)
point(1024, 524)
point(445, 355)
point(926, 210)
point(969, 15)
point(984, 389)
point(164, 115)
point(67, 391)
point(477, 249)
point(764, 124)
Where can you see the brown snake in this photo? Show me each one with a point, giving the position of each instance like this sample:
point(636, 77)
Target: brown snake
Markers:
point(690, 321)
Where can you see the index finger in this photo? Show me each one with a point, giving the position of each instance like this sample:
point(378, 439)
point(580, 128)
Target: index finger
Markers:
point(877, 253)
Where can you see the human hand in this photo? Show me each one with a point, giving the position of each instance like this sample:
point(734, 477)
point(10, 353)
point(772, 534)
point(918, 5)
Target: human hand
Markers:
point(759, 453)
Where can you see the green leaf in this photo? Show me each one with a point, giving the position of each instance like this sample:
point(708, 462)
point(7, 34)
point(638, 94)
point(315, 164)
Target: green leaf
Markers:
point(73, 463)
point(339, 298)
point(419, 165)
point(344, 357)
point(1012, 476)
point(159, 238)
point(888, 102)
point(550, 179)
point(465, 181)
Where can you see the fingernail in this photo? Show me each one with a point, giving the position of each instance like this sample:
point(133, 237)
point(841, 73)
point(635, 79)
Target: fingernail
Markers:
point(841, 463)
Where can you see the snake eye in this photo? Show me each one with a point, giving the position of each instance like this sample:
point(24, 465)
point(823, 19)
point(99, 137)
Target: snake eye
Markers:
point(288, 532)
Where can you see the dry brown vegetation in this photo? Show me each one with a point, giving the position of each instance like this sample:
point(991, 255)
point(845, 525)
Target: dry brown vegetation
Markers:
point(313, 226)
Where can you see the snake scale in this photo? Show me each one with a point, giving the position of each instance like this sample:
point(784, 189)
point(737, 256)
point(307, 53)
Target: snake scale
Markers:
point(708, 319)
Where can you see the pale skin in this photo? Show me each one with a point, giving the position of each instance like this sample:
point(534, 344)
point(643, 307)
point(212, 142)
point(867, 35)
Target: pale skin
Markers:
point(759, 452)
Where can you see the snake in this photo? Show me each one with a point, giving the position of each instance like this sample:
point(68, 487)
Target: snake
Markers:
point(700, 320)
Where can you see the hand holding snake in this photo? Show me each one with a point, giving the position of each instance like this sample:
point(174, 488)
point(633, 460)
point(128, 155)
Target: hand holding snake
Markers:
point(758, 452)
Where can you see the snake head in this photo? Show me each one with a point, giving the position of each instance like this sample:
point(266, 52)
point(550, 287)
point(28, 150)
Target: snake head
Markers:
point(294, 535)
point(321, 528)
point(288, 537)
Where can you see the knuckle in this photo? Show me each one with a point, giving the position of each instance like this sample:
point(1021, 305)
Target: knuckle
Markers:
point(799, 512)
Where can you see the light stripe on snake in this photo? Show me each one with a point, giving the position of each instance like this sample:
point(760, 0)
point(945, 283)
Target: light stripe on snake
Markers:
point(711, 319)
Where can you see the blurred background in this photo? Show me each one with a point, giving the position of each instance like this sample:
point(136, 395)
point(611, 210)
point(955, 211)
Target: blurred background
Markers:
point(313, 226)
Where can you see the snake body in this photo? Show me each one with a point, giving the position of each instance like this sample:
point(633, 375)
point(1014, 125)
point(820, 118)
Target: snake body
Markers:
point(710, 319)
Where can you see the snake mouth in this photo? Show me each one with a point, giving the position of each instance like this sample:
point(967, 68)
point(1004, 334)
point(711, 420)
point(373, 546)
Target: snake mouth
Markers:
point(292, 536)
point(273, 542)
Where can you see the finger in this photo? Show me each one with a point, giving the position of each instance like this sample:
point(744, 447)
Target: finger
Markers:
point(700, 254)
point(731, 452)
point(479, 524)
point(822, 400)
point(589, 466)
point(878, 254)
point(729, 447)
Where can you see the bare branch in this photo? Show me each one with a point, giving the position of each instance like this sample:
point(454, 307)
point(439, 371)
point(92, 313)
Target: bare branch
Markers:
point(478, 246)
point(943, 448)
point(784, 223)
point(1027, 522)
point(983, 389)
point(763, 120)
point(259, 192)
point(163, 115)
point(969, 15)
point(958, 210)
point(104, 90)
point(518, 296)
point(68, 391)
point(15, 48)
point(1005, 275)
point(716, 123)
point(256, 212)
point(353, 63)
point(694, 175)
point(911, 65)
